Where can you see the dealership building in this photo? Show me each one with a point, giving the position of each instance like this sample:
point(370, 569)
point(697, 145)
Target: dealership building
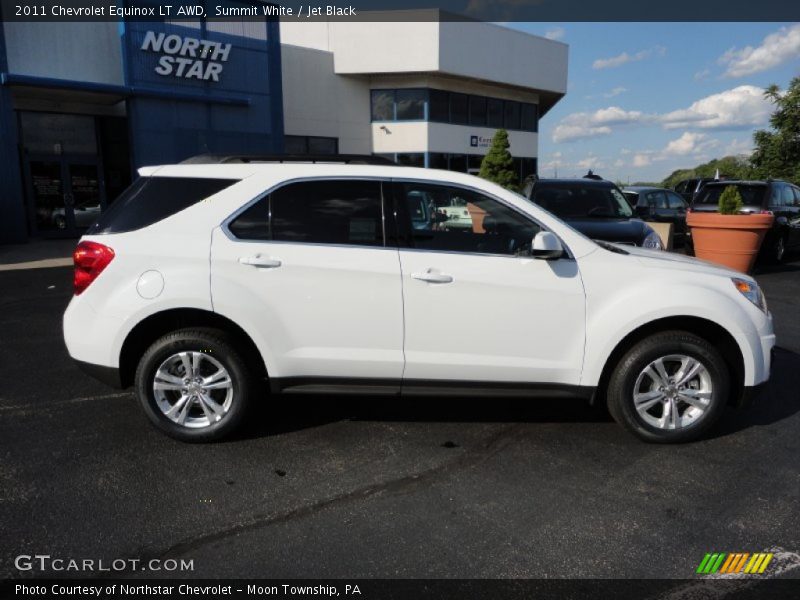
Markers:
point(82, 111)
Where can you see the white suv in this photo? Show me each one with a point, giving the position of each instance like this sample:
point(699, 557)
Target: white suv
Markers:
point(204, 281)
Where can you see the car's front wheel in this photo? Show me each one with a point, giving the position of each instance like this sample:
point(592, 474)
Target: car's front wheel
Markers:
point(194, 385)
point(670, 387)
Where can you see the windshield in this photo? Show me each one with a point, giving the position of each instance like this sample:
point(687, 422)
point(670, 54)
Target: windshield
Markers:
point(582, 201)
point(752, 195)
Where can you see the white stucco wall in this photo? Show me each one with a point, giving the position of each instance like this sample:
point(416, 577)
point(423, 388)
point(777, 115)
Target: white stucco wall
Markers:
point(318, 102)
point(419, 136)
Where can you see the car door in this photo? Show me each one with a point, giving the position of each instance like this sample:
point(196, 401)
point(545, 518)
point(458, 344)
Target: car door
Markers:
point(479, 310)
point(794, 221)
point(306, 271)
point(677, 207)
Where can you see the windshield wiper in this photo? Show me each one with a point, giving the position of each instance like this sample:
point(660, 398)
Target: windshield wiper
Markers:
point(610, 247)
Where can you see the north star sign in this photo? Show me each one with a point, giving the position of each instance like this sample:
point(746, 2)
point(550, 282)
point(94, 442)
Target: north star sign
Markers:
point(187, 57)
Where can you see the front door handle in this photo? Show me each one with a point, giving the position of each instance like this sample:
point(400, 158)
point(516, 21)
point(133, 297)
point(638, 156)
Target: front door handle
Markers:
point(263, 262)
point(432, 276)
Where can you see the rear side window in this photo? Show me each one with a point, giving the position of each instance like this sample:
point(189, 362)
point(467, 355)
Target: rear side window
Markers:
point(752, 195)
point(152, 199)
point(656, 199)
point(318, 212)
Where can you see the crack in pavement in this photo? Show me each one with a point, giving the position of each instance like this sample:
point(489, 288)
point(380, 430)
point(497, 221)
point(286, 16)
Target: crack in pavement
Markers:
point(406, 484)
point(27, 408)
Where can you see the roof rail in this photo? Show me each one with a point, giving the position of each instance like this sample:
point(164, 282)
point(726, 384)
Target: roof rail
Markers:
point(225, 159)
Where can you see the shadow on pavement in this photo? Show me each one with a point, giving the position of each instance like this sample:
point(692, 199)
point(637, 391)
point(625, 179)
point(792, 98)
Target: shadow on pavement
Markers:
point(779, 401)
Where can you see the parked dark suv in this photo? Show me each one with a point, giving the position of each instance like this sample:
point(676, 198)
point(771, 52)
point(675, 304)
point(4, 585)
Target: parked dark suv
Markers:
point(689, 188)
point(595, 207)
point(663, 206)
point(779, 197)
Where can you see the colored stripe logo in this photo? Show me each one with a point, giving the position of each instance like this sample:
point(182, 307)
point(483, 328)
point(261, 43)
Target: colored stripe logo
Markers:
point(734, 562)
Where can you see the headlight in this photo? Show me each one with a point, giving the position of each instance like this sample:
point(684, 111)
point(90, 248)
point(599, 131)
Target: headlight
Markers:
point(751, 291)
point(653, 241)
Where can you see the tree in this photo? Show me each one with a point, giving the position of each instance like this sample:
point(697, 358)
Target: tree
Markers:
point(730, 167)
point(498, 165)
point(777, 152)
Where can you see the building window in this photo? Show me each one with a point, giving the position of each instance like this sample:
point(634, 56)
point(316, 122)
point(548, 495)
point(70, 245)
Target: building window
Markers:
point(439, 106)
point(529, 117)
point(450, 107)
point(477, 110)
point(415, 159)
point(459, 109)
point(410, 105)
point(494, 113)
point(511, 109)
point(458, 162)
point(437, 160)
point(383, 105)
point(528, 168)
point(309, 144)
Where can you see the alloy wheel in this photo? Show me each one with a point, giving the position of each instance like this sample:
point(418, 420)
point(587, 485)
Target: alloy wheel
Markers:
point(193, 389)
point(673, 392)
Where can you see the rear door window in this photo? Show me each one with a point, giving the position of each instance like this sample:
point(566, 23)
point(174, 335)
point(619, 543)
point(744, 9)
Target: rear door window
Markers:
point(675, 201)
point(347, 212)
point(152, 199)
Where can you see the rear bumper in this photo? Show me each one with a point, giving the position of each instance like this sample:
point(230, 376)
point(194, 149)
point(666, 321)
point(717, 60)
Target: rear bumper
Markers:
point(108, 375)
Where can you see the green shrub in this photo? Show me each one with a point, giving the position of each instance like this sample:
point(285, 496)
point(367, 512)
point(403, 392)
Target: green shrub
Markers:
point(730, 202)
point(498, 165)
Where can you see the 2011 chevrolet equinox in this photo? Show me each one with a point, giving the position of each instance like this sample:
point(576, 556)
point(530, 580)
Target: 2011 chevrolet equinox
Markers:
point(204, 280)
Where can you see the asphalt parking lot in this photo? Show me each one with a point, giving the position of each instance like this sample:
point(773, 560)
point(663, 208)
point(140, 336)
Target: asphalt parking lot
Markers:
point(362, 487)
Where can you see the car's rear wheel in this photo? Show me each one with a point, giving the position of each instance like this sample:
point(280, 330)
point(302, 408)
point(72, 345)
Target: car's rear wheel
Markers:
point(670, 387)
point(778, 249)
point(194, 385)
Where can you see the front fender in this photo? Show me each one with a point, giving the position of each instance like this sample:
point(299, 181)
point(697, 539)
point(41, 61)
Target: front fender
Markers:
point(611, 320)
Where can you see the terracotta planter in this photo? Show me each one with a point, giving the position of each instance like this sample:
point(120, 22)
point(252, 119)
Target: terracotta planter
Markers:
point(729, 240)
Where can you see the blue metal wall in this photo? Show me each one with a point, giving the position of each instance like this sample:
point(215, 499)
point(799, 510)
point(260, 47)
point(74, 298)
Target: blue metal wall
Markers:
point(12, 207)
point(172, 118)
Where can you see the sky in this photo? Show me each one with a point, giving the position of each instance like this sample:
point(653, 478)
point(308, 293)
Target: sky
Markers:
point(644, 99)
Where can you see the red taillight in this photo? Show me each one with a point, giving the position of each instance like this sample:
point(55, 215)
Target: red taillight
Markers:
point(90, 259)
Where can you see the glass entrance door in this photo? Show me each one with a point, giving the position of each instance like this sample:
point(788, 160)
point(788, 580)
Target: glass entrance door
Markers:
point(46, 185)
point(66, 194)
point(84, 196)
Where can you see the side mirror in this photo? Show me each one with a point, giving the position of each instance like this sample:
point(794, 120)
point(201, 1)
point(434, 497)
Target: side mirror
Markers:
point(546, 246)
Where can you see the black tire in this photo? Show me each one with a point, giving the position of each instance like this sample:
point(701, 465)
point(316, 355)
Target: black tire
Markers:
point(215, 345)
point(620, 392)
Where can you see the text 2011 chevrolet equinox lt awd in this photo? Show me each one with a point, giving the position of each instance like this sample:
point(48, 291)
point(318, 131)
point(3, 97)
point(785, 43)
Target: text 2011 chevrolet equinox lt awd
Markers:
point(205, 280)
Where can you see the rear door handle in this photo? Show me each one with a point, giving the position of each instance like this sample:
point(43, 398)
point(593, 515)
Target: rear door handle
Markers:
point(263, 262)
point(432, 276)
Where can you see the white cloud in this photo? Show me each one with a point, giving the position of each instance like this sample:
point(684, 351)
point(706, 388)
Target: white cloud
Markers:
point(615, 92)
point(689, 143)
point(737, 147)
point(624, 58)
point(641, 160)
point(777, 48)
point(741, 107)
point(700, 75)
point(557, 33)
point(584, 125)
